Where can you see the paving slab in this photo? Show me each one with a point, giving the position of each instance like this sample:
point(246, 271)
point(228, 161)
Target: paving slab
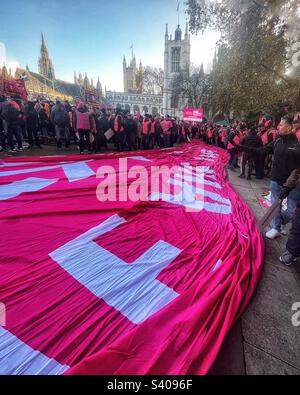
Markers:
point(260, 363)
point(230, 360)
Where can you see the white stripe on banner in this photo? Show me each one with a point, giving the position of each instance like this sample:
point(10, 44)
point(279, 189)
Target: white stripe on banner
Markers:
point(77, 171)
point(13, 164)
point(17, 358)
point(217, 265)
point(131, 288)
point(32, 184)
point(25, 171)
point(142, 158)
point(73, 171)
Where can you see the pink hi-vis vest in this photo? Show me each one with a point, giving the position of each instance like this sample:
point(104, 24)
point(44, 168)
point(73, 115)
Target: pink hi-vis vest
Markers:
point(146, 126)
point(209, 133)
point(152, 130)
point(298, 135)
point(265, 138)
point(236, 139)
point(183, 130)
point(223, 136)
point(116, 125)
point(83, 120)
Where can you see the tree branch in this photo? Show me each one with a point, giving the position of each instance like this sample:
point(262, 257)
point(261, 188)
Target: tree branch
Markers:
point(276, 73)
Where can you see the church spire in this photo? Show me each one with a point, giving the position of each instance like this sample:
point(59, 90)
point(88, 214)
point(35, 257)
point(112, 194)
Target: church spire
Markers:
point(43, 43)
point(45, 64)
point(99, 87)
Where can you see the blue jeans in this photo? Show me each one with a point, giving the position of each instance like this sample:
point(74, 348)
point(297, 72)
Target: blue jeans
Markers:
point(292, 201)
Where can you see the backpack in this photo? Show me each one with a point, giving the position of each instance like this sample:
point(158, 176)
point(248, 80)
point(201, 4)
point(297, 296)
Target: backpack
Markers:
point(10, 114)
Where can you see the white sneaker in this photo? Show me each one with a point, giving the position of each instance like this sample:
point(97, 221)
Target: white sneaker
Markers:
point(272, 234)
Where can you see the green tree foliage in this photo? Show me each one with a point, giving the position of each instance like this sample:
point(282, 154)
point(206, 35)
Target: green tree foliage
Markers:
point(250, 69)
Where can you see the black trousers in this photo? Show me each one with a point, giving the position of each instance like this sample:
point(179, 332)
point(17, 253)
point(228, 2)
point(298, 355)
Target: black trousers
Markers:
point(100, 141)
point(84, 139)
point(2, 139)
point(14, 131)
point(131, 141)
point(293, 244)
point(121, 141)
point(33, 134)
point(145, 141)
point(247, 158)
point(259, 161)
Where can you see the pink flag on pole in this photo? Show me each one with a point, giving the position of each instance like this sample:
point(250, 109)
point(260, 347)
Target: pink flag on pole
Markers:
point(193, 114)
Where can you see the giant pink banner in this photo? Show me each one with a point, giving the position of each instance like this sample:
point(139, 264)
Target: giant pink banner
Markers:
point(122, 287)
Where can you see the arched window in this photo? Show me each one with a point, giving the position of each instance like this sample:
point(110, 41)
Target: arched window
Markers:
point(175, 65)
point(154, 111)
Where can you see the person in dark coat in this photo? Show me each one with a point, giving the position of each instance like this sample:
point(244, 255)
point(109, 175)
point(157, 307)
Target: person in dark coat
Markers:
point(102, 125)
point(11, 114)
point(250, 140)
point(286, 158)
point(131, 131)
point(292, 253)
point(2, 126)
point(61, 120)
point(32, 124)
point(44, 124)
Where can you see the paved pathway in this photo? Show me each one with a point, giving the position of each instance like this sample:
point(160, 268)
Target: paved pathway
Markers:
point(264, 341)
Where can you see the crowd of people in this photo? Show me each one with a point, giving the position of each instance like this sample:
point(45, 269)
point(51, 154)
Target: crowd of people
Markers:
point(29, 124)
point(262, 148)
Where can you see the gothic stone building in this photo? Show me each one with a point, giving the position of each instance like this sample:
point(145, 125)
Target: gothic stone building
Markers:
point(135, 102)
point(44, 84)
point(176, 59)
point(132, 76)
point(132, 99)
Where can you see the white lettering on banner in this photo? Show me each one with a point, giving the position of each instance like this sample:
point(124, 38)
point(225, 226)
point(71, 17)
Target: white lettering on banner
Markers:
point(207, 155)
point(73, 171)
point(14, 189)
point(131, 288)
point(18, 358)
point(193, 185)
